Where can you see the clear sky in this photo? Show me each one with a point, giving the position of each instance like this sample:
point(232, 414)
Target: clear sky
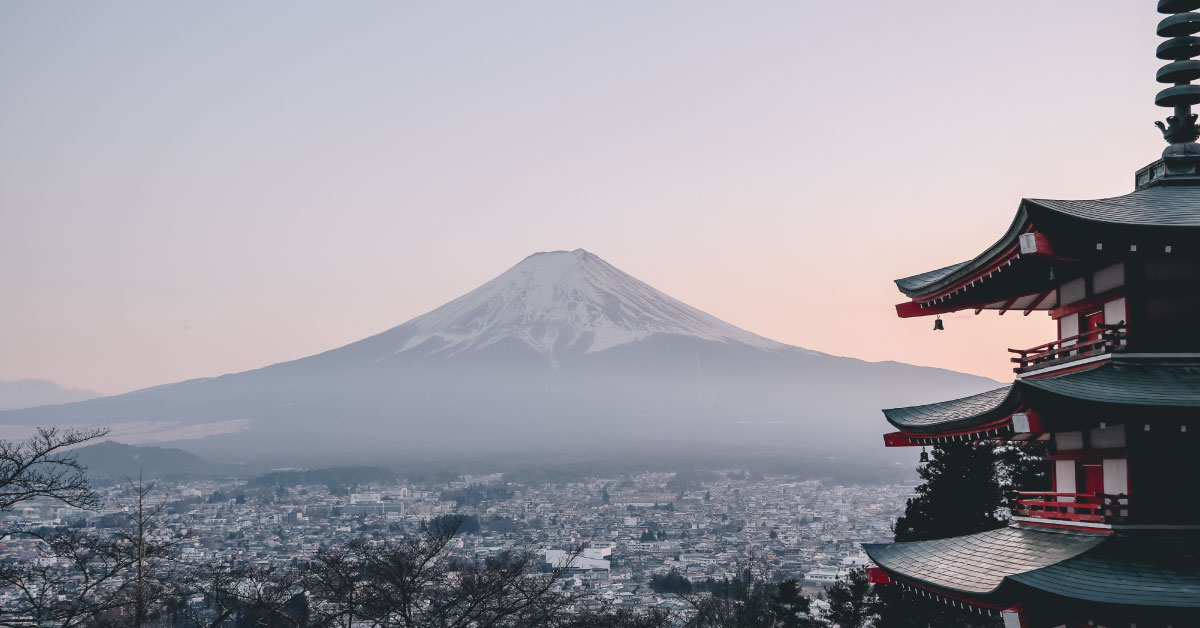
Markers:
point(194, 188)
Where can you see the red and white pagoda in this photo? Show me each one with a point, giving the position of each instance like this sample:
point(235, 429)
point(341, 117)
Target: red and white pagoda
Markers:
point(1115, 397)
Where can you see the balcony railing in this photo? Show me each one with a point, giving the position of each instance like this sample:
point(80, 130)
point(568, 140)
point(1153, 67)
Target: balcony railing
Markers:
point(1075, 507)
point(1107, 339)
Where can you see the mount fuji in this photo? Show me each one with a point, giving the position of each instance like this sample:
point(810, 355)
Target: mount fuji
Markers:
point(562, 350)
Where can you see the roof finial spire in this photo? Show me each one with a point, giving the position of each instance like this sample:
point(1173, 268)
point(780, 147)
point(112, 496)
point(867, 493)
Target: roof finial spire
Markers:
point(1180, 50)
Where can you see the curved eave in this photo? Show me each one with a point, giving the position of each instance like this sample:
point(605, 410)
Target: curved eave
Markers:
point(1159, 207)
point(1135, 570)
point(1158, 387)
point(956, 414)
point(1170, 213)
point(1151, 569)
point(1159, 384)
point(978, 564)
point(935, 281)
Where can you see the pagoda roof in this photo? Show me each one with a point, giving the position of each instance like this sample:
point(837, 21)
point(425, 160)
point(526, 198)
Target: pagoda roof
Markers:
point(977, 564)
point(1048, 232)
point(1158, 384)
point(1163, 384)
point(1160, 569)
point(919, 283)
point(1167, 206)
point(956, 413)
point(1143, 570)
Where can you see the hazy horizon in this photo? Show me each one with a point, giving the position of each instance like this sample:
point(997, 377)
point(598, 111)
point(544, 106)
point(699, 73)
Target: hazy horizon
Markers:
point(190, 190)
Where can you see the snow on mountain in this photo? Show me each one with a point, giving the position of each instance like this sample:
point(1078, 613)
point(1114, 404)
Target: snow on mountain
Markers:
point(567, 301)
point(562, 351)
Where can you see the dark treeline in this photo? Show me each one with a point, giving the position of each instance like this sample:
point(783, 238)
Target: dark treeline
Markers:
point(476, 494)
point(337, 476)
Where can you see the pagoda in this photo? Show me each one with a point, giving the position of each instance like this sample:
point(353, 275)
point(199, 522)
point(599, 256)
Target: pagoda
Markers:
point(1115, 398)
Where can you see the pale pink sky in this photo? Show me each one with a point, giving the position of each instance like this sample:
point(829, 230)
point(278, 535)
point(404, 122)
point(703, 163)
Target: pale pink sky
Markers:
point(189, 189)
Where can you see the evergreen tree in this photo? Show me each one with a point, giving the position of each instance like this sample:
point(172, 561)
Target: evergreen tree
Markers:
point(1025, 467)
point(790, 608)
point(851, 601)
point(961, 494)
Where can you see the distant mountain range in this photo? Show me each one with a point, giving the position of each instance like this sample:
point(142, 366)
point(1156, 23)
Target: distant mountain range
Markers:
point(28, 393)
point(562, 352)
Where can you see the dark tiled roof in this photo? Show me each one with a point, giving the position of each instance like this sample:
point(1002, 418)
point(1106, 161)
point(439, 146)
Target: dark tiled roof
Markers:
point(979, 563)
point(965, 412)
point(917, 282)
point(1158, 384)
point(1164, 206)
point(1143, 569)
point(1152, 384)
point(1157, 207)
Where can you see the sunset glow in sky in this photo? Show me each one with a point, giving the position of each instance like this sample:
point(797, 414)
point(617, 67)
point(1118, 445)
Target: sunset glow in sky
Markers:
point(194, 188)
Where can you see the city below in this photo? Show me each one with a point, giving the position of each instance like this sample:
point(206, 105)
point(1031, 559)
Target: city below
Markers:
point(643, 535)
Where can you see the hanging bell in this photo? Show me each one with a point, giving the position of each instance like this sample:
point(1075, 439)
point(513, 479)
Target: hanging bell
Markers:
point(924, 456)
point(937, 324)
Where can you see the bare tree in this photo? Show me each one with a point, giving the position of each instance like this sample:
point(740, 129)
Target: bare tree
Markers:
point(114, 577)
point(73, 578)
point(149, 547)
point(42, 466)
point(242, 596)
point(49, 590)
point(413, 581)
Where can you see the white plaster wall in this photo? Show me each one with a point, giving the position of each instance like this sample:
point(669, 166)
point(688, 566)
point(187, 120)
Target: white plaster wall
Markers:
point(1114, 311)
point(1116, 476)
point(1068, 326)
point(1064, 477)
point(1072, 291)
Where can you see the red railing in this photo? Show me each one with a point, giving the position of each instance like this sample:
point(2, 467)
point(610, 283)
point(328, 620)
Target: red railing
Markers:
point(1108, 338)
point(1081, 507)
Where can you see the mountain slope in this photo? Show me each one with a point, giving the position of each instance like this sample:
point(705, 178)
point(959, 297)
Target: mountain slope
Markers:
point(111, 462)
point(560, 351)
point(564, 303)
point(27, 393)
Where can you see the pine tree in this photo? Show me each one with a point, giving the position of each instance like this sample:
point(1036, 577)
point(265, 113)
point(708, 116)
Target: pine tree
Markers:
point(851, 601)
point(961, 494)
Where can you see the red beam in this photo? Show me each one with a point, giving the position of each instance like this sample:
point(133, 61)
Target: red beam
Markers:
point(912, 309)
point(875, 575)
point(898, 439)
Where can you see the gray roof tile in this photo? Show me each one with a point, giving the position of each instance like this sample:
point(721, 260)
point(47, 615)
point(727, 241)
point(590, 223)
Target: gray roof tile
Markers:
point(1138, 569)
point(978, 563)
point(1171, 207)
point(1145, 384)
point(966, 411)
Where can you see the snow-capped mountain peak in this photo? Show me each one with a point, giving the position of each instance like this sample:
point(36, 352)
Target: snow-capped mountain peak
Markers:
point(567, 301)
